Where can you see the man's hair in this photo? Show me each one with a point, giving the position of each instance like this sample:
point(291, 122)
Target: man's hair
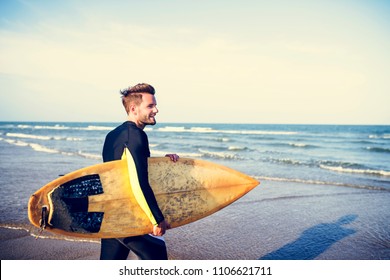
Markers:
point(134, 94)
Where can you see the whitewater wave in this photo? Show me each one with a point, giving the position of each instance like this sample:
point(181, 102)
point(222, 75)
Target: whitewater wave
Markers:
point(41, 137)
point(88, 155)
point(14, 142)
point(97, 128)
point(297, 145)
point(36, 233)
point(342, 169)
point(288, 161)
point(237, 148)
point(218, 155)
point(317, 182)
point(44, 149)
point(40, 148)
point(62, 127)
point(301, 145)
point(211, 130)
point(379, 136)
point(200, 154)
point(54, 127)
point(223, 139)
point(172, 129)
point(22, 135)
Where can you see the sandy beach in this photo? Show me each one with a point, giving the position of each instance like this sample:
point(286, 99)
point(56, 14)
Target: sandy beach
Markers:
point(308, 222)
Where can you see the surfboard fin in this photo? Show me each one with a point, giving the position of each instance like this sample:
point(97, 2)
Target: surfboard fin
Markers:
point(44, 217)
point(43, 221)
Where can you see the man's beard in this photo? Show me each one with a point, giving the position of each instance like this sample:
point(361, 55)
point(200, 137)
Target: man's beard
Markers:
point(149, 120)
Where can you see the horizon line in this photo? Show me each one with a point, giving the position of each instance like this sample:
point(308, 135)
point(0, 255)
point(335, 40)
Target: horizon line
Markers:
point(222, 123)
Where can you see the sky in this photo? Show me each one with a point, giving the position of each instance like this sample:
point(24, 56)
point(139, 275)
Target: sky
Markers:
point(216, 61)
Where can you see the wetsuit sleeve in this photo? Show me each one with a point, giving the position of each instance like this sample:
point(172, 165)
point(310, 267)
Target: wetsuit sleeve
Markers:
point(139, 148)
point(137, 142)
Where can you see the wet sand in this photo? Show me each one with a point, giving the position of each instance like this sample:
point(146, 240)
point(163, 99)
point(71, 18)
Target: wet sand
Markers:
point(18, 244)
point(275, 221)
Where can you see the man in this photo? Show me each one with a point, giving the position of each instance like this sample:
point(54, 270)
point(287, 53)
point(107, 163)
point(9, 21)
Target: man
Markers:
point(141, 107)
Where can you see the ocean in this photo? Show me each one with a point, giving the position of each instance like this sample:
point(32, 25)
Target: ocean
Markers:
point(352, 156)
point(324, 192)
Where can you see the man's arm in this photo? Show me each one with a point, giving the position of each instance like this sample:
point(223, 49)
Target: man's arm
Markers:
point(139, 149)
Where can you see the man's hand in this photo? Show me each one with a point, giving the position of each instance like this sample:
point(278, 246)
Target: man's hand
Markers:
point(160, 229)
point(173, 157)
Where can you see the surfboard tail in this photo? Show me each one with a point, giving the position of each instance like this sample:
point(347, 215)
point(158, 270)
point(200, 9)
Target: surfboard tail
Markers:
point(38, 210)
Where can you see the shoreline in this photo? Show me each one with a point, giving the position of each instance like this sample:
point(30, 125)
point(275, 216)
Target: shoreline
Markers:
point(274, 221)
point(19, 244)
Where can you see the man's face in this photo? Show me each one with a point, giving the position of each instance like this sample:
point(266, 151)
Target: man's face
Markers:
point(147, 110)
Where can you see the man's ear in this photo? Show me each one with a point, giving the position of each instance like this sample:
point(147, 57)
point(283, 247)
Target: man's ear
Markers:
point(133, 109)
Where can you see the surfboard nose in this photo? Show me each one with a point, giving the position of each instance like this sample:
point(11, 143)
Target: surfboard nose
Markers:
point(253, 182)
point(247, 184)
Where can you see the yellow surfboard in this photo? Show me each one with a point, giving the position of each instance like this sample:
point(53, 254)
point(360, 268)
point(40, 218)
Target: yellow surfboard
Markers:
point(103, 200)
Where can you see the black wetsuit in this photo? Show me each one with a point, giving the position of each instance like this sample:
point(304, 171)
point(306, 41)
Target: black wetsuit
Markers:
point(135, 139)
